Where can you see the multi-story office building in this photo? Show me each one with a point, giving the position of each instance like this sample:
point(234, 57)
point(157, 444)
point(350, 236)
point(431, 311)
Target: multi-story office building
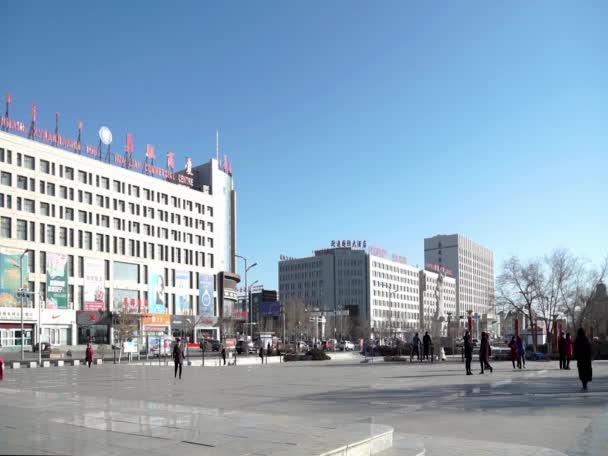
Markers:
point(103, 239)
point(332, 279)
point(472, 265)
point(393, 296)
point(386, 293)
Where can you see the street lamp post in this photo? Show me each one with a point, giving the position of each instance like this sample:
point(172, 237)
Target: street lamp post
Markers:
point(22, 295)
point(391, 292)
point(247, 302)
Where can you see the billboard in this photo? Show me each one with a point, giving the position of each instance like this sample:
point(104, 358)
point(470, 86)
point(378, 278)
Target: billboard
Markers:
point(156, 291)
point(270, 309)
point(206, 304)
point(10, 276)
point(182, 299)
point(127, 301)
point(56, 281)
point(94, 290)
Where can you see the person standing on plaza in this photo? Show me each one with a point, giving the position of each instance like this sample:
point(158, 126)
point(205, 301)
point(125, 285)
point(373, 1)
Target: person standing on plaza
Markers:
point(513, 347)
point(262, 354)
point(224, 354)
point(468, 351)
point(561, 348)
point(582, 351)
point(426, 345)
point(178, 357)
point(521, 353)
point(569, 350)
point(484, 353)
point(88, 355)
point(415, 347)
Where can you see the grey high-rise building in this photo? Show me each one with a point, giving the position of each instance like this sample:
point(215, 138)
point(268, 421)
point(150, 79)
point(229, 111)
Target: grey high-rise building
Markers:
point(472, 265)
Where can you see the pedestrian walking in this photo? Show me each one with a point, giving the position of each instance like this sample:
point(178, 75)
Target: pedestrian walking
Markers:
point(88, 355)
point(484, 353)
point(561, 347)
point(468, 351)
point(178, 358)
point(582, 351)
point(513, 347)
point(415, 347)
point(426, 345)
point(268, 350)
point(569, 350)
point(521, 353)
point(224, 354)
point(262, 354)
point(1, 367)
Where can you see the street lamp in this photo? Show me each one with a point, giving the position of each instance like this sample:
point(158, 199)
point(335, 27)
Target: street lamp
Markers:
point(22, 295)
point(391, 292)
point(246, 289)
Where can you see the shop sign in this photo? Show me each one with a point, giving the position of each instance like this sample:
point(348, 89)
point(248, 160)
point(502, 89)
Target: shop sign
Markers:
point(14, 313)
point(157, 319)
point(230, 343)
point(86, 318)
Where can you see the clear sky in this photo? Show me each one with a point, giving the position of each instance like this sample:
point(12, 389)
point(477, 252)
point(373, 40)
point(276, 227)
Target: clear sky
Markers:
point(384, 121)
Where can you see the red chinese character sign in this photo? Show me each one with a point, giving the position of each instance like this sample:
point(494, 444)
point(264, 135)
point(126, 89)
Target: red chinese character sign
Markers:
point(127, 159)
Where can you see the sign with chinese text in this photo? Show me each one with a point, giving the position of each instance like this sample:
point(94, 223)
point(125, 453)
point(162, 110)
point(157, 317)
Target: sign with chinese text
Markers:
point(94, 290)
point(56, 281)
point(349, 243)
point(182, 299)
point(438, 269)
point(157, 319)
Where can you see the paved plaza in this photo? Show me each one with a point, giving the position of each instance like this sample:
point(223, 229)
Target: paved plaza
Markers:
point(303, 408)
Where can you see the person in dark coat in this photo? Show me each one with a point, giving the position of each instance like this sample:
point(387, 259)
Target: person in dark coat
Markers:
point(224, 354)
point(426, 345)
point(521, 353)
point(178, 357)
point(262, 354)
point(582, 351)
point(561, 347)
point(484, 353)
point(513, 347)
point(569, 350)
point(468, 351)
point(88, 355)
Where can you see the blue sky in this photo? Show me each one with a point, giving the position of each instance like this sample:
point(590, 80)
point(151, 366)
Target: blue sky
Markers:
point(384, 121)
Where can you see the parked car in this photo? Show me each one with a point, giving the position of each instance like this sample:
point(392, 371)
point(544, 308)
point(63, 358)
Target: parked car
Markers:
point(241, 344)
point(346, 345)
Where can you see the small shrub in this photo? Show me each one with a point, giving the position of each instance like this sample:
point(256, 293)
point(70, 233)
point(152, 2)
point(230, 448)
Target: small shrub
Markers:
point(318, 355)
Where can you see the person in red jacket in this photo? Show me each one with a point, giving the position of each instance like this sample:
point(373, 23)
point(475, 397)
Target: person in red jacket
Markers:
point(89, 355)
point(569, 350)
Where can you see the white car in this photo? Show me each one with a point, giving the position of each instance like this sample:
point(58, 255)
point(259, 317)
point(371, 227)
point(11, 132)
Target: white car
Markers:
point(346, 345)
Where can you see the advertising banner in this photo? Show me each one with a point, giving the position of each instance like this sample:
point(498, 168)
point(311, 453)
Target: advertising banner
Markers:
point(182, 299)
point(270, 309)
point(10, 276)
point(56, 281)
point(156, 291)
point(206, 304)
point(94, 290)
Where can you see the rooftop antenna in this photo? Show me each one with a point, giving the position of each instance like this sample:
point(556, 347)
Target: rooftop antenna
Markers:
point(217, 145)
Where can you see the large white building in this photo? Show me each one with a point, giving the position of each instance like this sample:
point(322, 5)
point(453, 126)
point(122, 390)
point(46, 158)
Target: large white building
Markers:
point(391, 296)
point(128, 242)
point(472, 265)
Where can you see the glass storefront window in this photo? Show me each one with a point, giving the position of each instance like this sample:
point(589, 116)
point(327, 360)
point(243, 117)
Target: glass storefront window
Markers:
point(96, 334)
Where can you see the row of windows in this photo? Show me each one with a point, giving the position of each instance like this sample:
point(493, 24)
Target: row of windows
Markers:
point(396, 269)
point(47, 188)
point(69, 237)
point(87, 178)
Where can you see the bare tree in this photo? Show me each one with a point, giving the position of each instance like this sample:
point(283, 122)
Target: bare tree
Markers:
point(578, 292)
point(126, 326)
point(517, 288)
point(556, 270)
